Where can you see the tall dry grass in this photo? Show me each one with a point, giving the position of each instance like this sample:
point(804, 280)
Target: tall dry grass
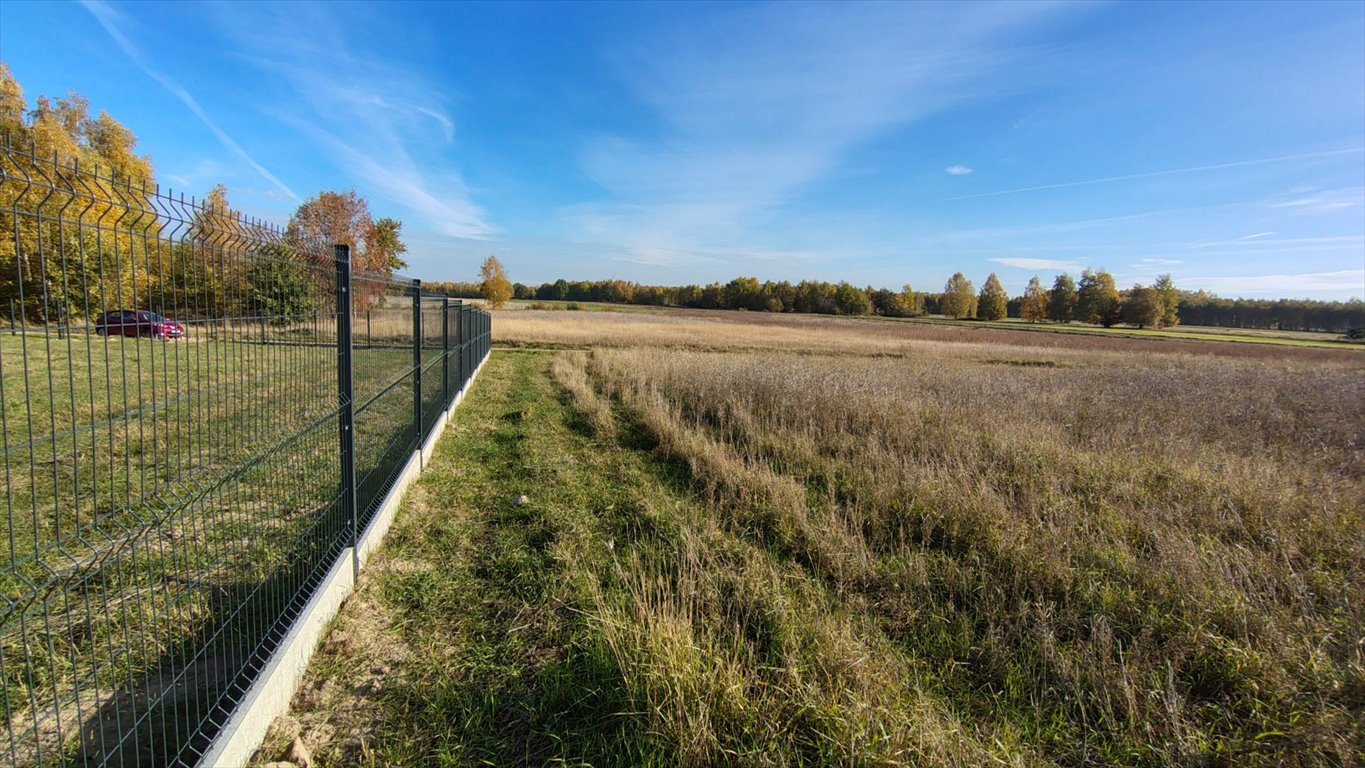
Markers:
point(977, 552)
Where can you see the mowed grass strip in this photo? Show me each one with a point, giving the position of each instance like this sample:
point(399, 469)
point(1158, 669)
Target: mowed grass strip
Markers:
point(613, 619)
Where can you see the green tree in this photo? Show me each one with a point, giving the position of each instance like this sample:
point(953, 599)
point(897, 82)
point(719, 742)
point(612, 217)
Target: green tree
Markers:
point(493, 283)
point(1142, 307)
point(1169, 297)
point(742, 293)
point(1061, 300)
point(849, 299)
point(279, 288)
point(885, 302)
point(959, 297)
point(993, 301)
point(1097, 298)
point(1033, 307)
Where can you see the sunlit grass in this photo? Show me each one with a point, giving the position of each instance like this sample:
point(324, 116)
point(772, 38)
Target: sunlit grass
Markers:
point(811, 541)
point(161, 499)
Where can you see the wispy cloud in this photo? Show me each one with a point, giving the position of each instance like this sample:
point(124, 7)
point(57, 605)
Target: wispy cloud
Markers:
point(1323, 201)
point(1348, 282)
point(1160, 262)
point(380, 123)
point(111, 21)
point(1282, 244)
point(958, 170)
point(759, 103)
point(1171, 172)
point(1020, 263)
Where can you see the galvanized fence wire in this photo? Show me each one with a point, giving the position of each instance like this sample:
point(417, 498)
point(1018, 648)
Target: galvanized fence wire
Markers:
point(177, 479)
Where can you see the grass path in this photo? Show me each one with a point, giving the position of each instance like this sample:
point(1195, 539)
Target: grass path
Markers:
point(467, 642)
point(615, 619)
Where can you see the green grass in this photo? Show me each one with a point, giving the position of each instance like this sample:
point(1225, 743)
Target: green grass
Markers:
point(494, 595)
point(163, 500)
point(521, 646)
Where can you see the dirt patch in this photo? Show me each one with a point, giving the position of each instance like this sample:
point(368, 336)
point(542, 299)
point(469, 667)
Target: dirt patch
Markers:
point(337, 708)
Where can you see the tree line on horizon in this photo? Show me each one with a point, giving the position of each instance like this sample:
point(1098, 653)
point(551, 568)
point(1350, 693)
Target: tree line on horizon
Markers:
point(97, 240)
point(1093, 299)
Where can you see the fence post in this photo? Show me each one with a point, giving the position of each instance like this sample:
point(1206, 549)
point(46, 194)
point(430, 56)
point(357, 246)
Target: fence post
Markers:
point(459, 345)
point(417, 360)
point(445, 351)
point(346, 402)
point(465, 337)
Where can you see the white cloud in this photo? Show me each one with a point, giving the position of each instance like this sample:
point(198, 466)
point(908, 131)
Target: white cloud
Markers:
point(958, 170)
point(1174, 172)
point(1323, 201)
point(1020, 263)
point(1345, 282)
point(1283, 244)
point(1161, 262)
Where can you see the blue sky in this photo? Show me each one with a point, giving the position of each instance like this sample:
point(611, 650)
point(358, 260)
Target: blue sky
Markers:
point(883, 144)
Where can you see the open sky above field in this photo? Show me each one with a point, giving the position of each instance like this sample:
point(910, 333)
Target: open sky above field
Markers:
point(882, 144)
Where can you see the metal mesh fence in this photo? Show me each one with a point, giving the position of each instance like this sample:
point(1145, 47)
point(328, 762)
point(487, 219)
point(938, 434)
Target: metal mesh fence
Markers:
point(176, 389)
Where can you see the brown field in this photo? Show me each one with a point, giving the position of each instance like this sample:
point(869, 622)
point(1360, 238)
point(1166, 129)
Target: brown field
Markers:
point(715, 329)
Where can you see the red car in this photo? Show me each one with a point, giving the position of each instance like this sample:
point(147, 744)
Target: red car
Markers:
point(127, 322)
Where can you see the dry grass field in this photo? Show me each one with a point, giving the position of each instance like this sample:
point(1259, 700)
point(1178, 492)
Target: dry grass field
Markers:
point(714, 329)
point(809, 541)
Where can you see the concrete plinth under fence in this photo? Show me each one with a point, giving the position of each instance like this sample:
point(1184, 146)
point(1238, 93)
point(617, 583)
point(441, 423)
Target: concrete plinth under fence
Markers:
point(269, 696)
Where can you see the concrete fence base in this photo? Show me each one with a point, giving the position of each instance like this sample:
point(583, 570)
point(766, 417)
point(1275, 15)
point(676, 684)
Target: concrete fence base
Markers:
point(269, 696)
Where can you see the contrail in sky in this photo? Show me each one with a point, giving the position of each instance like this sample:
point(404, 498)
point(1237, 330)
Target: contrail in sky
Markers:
point(106, 18)
point(1172, 172)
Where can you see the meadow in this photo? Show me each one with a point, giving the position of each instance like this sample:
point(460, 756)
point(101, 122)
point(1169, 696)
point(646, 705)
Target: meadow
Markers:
point(765, 540)
point(1318, 339)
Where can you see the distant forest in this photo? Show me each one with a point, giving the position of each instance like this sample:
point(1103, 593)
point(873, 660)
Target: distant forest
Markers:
point(1094, 299)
